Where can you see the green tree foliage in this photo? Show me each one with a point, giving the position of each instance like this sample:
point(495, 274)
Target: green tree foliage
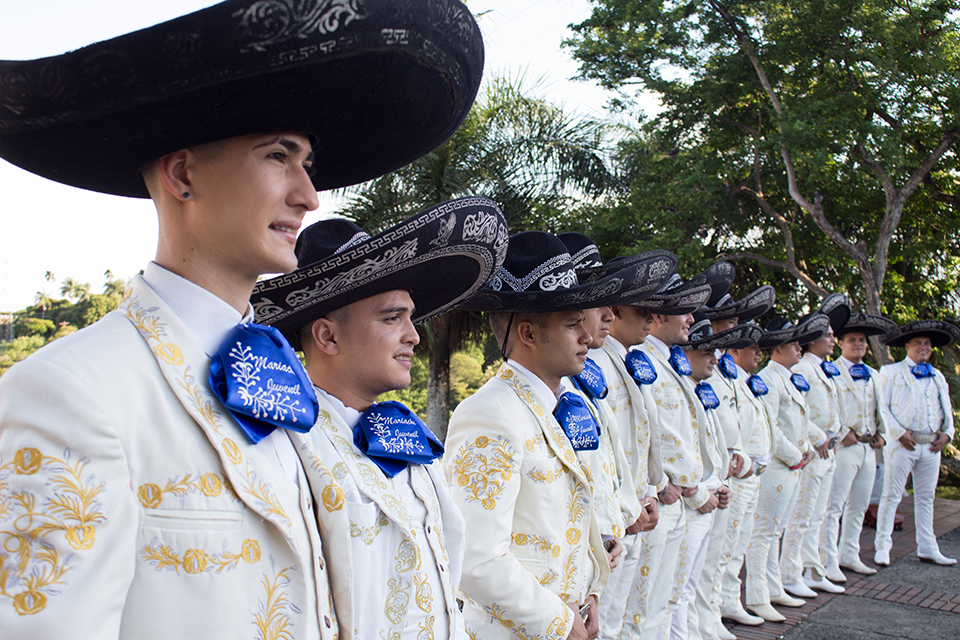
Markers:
point(13, 351)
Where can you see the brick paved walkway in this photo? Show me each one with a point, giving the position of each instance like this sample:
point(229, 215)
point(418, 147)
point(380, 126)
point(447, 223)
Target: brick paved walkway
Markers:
point(946, 519)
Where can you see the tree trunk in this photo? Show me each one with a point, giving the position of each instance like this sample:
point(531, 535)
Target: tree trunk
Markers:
point(438, 384)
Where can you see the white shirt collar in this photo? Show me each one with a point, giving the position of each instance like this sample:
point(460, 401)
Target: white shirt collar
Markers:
point(816, 359)
point(618, 348)
point(207, 317)
point(659, 345)
point(846, 363)
point(546, 396)
point(783, 369)
point(910, 363)
point(741, 372)
point(349, 415)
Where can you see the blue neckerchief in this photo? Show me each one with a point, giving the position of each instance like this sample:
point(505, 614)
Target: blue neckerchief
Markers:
point(257, 377)
point(859, 372)
point(678, 360)
point(574, 416)
point(727, 366)
point(922, 370)
point(800, 382)
point(592, 381)
point(640, 368)
point(393, 436)
point(757, 386)
point(708, 397)
point(829, 368)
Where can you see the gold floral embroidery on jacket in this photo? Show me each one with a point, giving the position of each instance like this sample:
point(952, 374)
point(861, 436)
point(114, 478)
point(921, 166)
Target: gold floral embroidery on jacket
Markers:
point(273, 620)
point(397, 600)
point(423, 593)
point(544, 477)
point(500, 615)
point(539, 543)
point(28, 531)
point(426, 628)
point(408, 557)
point(368, 534)
point(484, 478)
point(261, 494)
point(211, 485)
point(193, 561)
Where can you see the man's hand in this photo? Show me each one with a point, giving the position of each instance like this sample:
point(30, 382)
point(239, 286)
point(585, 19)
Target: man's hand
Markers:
point(588, 630)
point(689, 492)
point(670, 493)
point(613, 552)
point(650, 504)
point(723, 496)
point(712, 503)
point(850, 439)
point(807, 457)
point(824, 449)
point(908, 442)
point(878, 441)
point(941, 441)
point(736, 465)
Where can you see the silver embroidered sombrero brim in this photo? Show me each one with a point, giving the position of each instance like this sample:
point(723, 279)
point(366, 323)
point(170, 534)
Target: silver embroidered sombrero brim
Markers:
point(750, 306)
point(940, 333)
point(835, 306)
point(678, 298)
point(781, 331)
point(702, 337)
point(867, 324)
point(442, 256)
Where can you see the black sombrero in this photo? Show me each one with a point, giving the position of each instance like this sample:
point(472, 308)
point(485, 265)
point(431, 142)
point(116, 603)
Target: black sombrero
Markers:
point(538, 276)
point(835, 306)
point(702, 337)
point(441, 256)
point(677, 298)
point(867, 324)
point(781, 331)
point(590, 267)
point(375, 83)
point(940, 333)
point(750, 306)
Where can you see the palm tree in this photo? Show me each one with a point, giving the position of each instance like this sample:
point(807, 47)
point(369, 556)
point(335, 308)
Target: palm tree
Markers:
point(42, 300)
point(525, 154)
point(70, 288)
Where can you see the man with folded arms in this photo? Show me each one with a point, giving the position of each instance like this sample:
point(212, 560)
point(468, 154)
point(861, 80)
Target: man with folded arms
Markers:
point(393, 537)
point(156, 495)
point(915, 404)
point(863, 432)
point(800, 567)
point(791, 452)
point(534, 560)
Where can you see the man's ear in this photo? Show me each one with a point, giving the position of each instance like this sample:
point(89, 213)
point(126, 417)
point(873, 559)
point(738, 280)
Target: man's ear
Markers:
point(528, 333)
point(173, 171)
point(657, 318)
point(616, 311)
point(323, 333)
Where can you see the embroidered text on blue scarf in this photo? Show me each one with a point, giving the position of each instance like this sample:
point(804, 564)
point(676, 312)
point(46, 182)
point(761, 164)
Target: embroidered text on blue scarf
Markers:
point(727, 366)
point(393, 436)
point(591, 380)
point(800, 382)
point(640, 368)
point(757, 386)
point(830, 369)
point(922, 370)
point(708, 397)
point(860, 372)
point(679, 362)
point(574, 416)
point(257, 377)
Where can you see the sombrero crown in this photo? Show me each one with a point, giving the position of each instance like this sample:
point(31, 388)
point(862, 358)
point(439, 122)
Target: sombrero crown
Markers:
point(940, 333)
point(590, 266)
point(867, 324)
point(781, 331)
point(702, 337)
point(750, 306)
point(677, 297)
point(375, 83)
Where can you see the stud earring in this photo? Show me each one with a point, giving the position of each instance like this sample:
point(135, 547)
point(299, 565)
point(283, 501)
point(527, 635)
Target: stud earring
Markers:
point(186, 194)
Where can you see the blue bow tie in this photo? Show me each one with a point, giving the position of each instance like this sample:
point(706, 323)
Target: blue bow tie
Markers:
point(922, 370)
point(830, 369)
point(708, 397)
point(257, 377)
point(577, 422)
point(859, 372)
point(727, 366)
point(678, 360)
point(757, 386)
point(592, 381)
point(800, 382)
point(640, 368)
point(393, 436)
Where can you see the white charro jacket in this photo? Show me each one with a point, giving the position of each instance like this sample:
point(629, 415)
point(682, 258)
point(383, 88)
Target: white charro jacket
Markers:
point(788, 415)
point(756, 434)
point(859, 402)
point(132, 505)
point(822, 400)
point(532, 542)
point(902, 400)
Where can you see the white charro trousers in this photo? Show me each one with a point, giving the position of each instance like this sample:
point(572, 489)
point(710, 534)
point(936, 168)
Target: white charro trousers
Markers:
point(613, 601)
point(801, 539)
point(743, 506)
point(849, 499)
point(778, 494)
point(653, 579)
point(703, 614)
point(898, 464)
point(689, 565)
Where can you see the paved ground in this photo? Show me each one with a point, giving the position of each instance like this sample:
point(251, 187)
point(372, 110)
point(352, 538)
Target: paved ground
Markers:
point(909, 599)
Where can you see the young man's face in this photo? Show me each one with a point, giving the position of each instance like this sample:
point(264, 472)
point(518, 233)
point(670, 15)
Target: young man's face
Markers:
point(853, 346)
point(919, 349)
point(719, 326)
point(702, 363)
point(747, 358)
point(562, 344)
point(376, 338)
point(597, 323)
point(822, 347)
point(251, 193)
point(673, 329)
point(632, 325)
point(787, 354)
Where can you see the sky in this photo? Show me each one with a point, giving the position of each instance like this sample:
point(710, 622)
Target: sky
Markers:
point(70, 232)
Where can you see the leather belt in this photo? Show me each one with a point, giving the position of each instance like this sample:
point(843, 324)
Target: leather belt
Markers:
point(758, 469)
point(865, 439)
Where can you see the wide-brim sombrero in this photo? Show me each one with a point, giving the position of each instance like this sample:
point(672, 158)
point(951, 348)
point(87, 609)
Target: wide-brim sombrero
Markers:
point(677, 298)
point(538, 276)
point(835, 306)
point(868, 324)
point(442, 256)
point(590, 266)
point(940, 333)
point(750, 306)
point(702, 337)
point(781, 331)
point(375, 83)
